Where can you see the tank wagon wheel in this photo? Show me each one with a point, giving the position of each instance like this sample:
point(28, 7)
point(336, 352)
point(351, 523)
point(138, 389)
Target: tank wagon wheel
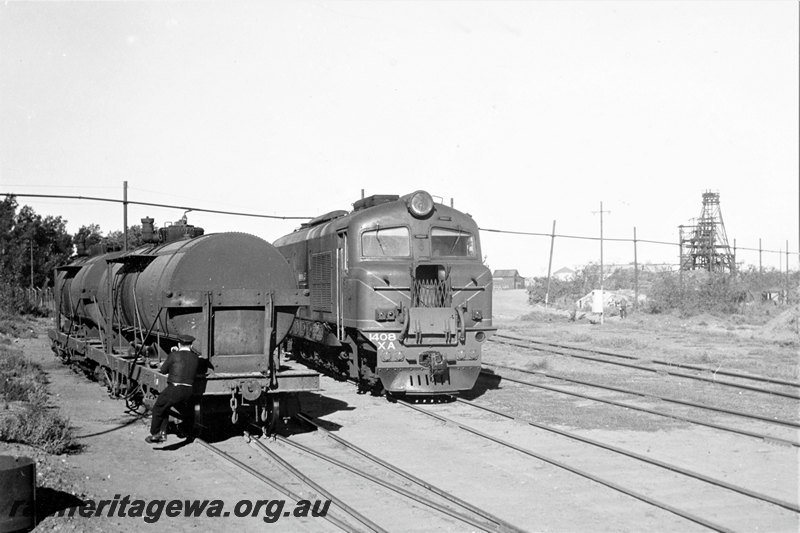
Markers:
point(64, 354)
point(273, 415)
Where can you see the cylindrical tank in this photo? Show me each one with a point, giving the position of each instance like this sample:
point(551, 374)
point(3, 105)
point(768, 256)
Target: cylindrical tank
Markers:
point(63, 282)
point(85, 287)
point(167, 293)
point(17, 493)
point(185, 269)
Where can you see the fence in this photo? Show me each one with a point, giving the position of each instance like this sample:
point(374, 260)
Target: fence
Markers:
point(28, 299)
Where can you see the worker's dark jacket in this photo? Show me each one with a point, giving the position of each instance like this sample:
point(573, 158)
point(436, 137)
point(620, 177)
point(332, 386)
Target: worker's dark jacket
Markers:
point(181, 366)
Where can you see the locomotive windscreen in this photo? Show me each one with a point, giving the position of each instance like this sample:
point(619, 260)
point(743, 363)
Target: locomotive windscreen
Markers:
point(452, 243)
point(385, 242)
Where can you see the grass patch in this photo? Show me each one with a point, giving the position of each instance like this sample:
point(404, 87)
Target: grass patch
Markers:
point(622, 343)
point(539, 364)
point(702, 358)
point(580, 337)
point(25, 415)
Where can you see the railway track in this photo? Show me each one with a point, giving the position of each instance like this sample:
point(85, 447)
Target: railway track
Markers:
point(279, 487)
point(669, 399)
point(493, 522)
point(450, 509)
point(792, 506)
point(607, 481)
point(626, 405)
point(663, 366)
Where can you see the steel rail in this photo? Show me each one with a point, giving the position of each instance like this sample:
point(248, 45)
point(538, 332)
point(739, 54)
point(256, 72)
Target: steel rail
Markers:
point(341, 524)
point(410, 477)
point(673, 468)
point(653, 370)
point(386, 484)
point(651, 411)
point(688, 366)
point(669, 399)
point(313, 484)
point(582, 473)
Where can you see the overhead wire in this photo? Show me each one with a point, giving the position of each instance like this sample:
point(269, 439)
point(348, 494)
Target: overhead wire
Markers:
point(279, 217)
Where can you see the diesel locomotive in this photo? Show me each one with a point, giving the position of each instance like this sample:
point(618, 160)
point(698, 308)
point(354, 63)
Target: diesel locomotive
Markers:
point(400, 299)
point(120, 313)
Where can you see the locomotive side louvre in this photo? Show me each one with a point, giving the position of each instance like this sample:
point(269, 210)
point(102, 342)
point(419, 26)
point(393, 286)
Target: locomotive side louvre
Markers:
point(121, 313)
point(406, 300)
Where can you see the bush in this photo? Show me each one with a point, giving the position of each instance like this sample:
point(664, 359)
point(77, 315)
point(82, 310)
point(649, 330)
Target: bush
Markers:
point(39, 426)
point(25, 415)
point(702, 292)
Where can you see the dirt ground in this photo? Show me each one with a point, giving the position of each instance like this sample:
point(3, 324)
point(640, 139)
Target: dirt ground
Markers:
point(114, 459)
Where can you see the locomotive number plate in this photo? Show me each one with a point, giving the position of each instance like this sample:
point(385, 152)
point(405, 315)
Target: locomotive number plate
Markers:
point(384, 341)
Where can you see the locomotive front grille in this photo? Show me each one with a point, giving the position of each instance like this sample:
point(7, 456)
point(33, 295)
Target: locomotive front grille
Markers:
point(431, 287)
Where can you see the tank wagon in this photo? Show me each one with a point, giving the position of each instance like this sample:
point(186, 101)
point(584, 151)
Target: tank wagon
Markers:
point(120, 313)
point(400, 298)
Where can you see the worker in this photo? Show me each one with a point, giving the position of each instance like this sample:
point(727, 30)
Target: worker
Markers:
point(180, 368)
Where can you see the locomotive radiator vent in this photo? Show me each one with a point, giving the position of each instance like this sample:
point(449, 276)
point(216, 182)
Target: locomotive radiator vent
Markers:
point(431, 287)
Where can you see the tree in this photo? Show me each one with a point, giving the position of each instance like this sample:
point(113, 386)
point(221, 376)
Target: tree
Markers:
point(31, 245)
point(114, 238)
point(88, 236)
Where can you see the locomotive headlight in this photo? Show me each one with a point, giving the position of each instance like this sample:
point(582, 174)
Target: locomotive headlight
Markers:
point(420, 204)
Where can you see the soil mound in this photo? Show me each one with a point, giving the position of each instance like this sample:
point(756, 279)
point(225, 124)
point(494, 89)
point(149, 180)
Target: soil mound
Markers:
point(783, 328)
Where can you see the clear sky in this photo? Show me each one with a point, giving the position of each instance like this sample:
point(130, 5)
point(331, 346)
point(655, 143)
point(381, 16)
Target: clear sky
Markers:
point(522, 112)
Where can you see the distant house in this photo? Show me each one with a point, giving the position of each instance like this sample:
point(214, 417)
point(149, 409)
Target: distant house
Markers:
point(564, 274)
point(507, 279)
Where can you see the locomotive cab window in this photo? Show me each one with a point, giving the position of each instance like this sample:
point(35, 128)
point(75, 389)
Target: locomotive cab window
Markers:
point(450, 242)
point(386, 242)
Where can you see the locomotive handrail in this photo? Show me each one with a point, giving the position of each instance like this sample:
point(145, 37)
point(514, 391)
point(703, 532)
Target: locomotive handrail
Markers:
point(406, 323)
point(462, 334)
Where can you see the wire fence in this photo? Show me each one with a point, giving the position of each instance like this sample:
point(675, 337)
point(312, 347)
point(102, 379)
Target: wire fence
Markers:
point(28, 299)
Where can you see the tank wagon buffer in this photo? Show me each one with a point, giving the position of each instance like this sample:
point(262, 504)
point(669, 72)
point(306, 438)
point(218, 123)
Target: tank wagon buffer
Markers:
point(120, 313)
point(399, 295)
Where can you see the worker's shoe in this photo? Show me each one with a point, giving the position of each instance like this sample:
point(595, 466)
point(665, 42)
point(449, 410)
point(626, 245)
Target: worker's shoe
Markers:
point(154, 439)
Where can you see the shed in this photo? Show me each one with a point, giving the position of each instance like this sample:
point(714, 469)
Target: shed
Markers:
point(564, 274)
point(507, 279)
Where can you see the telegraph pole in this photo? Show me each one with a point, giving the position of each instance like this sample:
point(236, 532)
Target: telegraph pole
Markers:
point(602, 296)
point(550, 265)
point(125, 215)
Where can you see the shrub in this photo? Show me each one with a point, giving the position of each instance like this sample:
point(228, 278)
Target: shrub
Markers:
point(31, 421)
point(37, 425)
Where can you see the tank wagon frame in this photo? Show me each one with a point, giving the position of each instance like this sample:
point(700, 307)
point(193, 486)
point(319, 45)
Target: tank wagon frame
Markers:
point(119, 314)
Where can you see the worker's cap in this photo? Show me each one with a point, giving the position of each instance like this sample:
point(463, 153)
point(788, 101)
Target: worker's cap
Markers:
point(185, 339)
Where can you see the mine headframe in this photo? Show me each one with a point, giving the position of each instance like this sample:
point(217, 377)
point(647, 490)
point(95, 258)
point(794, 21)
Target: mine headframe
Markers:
point(704, 242)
